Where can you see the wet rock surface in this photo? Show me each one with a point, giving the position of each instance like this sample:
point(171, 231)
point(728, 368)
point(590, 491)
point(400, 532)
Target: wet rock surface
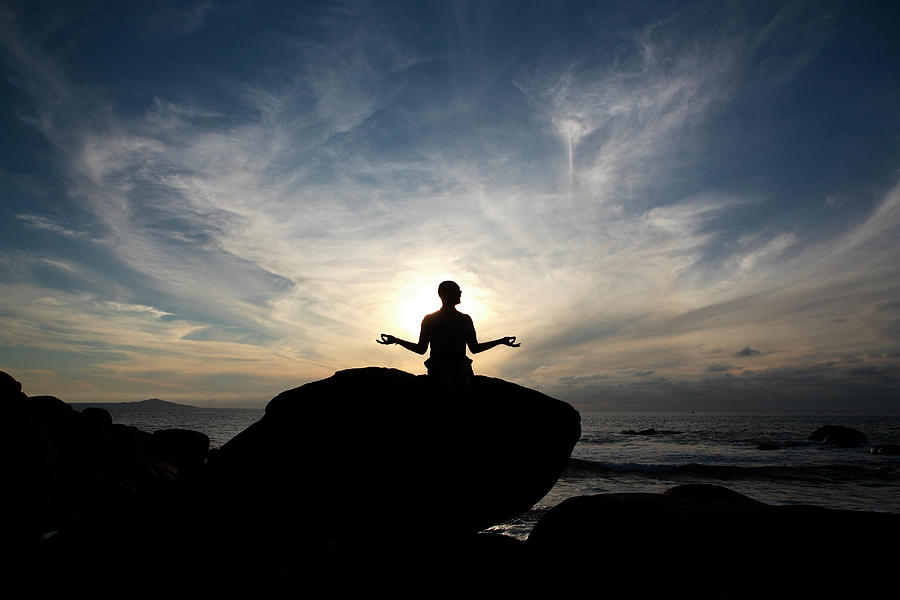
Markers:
point(839, 436)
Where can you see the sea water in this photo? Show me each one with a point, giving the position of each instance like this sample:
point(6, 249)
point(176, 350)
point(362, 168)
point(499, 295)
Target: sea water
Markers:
point(219, 424)
point(723, 449)
point(715, 448)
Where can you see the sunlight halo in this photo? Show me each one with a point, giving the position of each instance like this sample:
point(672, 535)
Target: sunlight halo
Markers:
point(418, 298)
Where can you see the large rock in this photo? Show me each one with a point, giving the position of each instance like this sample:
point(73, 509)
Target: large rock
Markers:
point(838, 436)
point(371, 455)
point(11, 391)
point(366, 478)
point(187, 449)
point(705, 541)
point(57, 464)
point(27, 477)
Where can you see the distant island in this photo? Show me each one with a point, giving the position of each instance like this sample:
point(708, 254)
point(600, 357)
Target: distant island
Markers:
point(150, 403)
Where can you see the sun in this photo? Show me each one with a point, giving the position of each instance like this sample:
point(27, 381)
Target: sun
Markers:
point(422, 299)
point(412, 310)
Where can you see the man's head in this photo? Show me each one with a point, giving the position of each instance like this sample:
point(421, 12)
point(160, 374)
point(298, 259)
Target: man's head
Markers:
point(449, 293)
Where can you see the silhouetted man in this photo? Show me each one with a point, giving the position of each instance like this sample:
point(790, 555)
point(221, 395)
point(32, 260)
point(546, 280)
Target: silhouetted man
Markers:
point(449, 332)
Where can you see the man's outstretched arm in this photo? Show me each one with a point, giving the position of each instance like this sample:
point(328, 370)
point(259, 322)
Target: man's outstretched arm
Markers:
point(475, 346)
point(418, 348)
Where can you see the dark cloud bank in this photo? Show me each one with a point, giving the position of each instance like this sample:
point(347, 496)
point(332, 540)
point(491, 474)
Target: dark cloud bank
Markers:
point(825, 386)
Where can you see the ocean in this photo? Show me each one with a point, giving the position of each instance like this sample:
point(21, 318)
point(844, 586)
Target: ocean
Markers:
point(713, 448)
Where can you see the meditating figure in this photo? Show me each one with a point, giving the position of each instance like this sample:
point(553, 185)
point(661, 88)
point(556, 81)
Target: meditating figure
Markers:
point(449, 332)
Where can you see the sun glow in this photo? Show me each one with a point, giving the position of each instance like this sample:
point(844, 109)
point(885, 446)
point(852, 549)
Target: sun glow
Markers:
point(411, 311)
point(422, 299)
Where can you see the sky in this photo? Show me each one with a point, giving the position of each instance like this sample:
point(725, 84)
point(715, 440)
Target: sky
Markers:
point(673, 205)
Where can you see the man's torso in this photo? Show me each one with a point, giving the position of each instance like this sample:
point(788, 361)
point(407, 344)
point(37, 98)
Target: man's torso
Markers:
point(448, 331)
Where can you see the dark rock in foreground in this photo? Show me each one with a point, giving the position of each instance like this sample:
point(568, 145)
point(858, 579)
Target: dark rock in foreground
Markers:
point(343, 484)
point(839, 436)
point(186, 449)
point(367, 477)
point(711, 542)
point(370, 454)
point(67, 475)
point(60, 462)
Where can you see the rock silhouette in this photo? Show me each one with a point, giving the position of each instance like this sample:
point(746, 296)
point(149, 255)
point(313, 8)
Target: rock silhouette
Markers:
point(68, 475)
point(339, 474)
point(339, 483)
point(839, 436)
point(383, 439)
point(706, 541)
point(186, 449)
point(65, 461)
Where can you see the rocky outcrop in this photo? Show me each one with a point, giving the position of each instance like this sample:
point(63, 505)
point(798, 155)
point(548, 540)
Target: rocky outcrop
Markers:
point(334, 484)
point(186, 449)
point(27, 474)
point(373, 452)
point(60, 463)
point(839, 436)
point(705, 541)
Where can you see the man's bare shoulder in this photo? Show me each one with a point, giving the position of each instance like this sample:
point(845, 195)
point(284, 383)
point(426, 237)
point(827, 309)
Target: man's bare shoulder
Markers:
point(446, 316)
point(431, 316)
point(430, 319)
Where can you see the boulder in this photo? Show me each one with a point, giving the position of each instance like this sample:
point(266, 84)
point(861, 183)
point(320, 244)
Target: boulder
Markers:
point(707, 493)
point(57, 463)
point(97, 417)
point(187, 449)
point(369, 454)
point(838, 436)
point(706, 541)
point(338, 483)
point(11, 391)
point(27, 475)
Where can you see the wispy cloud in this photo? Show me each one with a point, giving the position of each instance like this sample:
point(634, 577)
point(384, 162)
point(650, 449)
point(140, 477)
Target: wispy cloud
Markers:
point(274, 232)
point(43, 223)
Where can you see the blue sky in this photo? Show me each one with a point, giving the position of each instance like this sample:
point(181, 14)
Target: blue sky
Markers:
point(674, 205)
